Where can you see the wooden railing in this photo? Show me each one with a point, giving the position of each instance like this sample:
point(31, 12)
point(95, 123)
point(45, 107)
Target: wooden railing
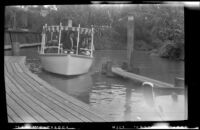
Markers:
point(24, 38)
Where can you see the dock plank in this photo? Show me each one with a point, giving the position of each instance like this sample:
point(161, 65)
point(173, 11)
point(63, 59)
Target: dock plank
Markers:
point(27, 104)
point(37, 81)
point(42, 96)
point(18, 68)
point(13, 115)
point(40, 93)
point(10, 119)
point(41, 104)
point(68, 98)
point(34, 100)
point(72, 100)
point(48, 116)
point(27, 107)
point(62, 102)
point(19, 110)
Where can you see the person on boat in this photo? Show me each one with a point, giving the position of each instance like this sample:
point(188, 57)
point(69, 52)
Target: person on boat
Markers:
point(71, 37)
point(81, 45)
point(84, 46)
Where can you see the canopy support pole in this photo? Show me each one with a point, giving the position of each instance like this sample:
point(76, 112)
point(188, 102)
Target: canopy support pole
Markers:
point(43, 39)
point(59, 38)
point(78, 37)
point(92, 37)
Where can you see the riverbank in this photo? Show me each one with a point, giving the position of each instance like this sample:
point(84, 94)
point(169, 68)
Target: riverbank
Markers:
point(167, 49)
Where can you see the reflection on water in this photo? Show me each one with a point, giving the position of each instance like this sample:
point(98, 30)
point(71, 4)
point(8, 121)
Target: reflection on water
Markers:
point(122, 99)
point(79, 86)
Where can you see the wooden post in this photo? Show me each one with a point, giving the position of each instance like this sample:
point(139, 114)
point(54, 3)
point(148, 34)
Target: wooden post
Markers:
point(108, 68)
point(14, 21)
point(15, 48)
point(179, 82)
point(103, 68)
point(130, 41)
point(15, 44)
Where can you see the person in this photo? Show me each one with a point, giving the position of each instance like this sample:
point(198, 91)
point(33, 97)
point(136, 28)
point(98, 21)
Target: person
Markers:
point(71, 37)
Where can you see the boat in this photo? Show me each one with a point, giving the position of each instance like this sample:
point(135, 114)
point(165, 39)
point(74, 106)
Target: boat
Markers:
point(66, 61)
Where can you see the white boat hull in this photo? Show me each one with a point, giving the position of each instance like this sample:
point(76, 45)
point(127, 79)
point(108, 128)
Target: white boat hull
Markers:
point(66, 64)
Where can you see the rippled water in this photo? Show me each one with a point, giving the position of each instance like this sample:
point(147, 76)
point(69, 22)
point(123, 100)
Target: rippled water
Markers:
point(122, 99)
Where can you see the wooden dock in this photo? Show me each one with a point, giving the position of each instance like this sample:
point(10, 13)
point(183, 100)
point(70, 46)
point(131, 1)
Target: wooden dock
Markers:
point(123, 73)
point(31, 99)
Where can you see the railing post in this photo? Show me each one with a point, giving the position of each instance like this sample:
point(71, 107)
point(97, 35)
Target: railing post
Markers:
point(15, 48)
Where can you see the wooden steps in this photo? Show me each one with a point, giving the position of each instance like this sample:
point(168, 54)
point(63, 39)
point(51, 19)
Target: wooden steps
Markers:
point(30, 99)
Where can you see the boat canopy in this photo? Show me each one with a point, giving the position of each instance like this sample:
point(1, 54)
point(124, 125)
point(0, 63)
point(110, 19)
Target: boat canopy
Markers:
point(66, 28)
point(57, 29)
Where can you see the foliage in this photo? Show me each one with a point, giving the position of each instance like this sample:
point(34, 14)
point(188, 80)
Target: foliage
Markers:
point(142, 45)
point(155, 24)
point(170, 50)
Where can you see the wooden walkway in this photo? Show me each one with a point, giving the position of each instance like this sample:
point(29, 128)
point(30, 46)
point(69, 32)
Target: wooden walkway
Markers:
point(30, 99)
point(123, 73)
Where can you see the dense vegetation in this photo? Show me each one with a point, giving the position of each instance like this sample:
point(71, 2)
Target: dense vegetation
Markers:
point(159, 29)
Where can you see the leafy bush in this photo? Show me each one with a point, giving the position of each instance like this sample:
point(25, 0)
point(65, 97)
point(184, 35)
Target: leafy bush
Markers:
point(170, 50)
point(157, 43)
point(142, 45)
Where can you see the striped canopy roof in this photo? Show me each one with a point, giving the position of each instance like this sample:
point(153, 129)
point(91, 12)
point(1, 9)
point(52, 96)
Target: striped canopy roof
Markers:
point(66, 28)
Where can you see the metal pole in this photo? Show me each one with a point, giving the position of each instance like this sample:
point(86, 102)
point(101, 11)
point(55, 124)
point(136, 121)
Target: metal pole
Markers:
point(78, 37)
point(51, 35)
point(92, 36)
point(59, 38)
point(43, 39)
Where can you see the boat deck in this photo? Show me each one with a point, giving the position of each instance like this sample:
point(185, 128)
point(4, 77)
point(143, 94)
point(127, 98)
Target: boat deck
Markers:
point(31, 99)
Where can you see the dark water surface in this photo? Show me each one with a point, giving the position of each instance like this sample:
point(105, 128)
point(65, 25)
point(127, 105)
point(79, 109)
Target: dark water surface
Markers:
point(122, 99)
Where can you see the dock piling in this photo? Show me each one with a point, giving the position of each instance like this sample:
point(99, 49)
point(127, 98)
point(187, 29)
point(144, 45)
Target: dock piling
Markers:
point(107, 69)
point(15, 48)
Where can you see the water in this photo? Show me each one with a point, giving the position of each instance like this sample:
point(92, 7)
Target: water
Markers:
point(122, 99)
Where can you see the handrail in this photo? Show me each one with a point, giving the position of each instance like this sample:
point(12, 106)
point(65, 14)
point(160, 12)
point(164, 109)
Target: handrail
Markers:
point(51, 47)
point(21, 31)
